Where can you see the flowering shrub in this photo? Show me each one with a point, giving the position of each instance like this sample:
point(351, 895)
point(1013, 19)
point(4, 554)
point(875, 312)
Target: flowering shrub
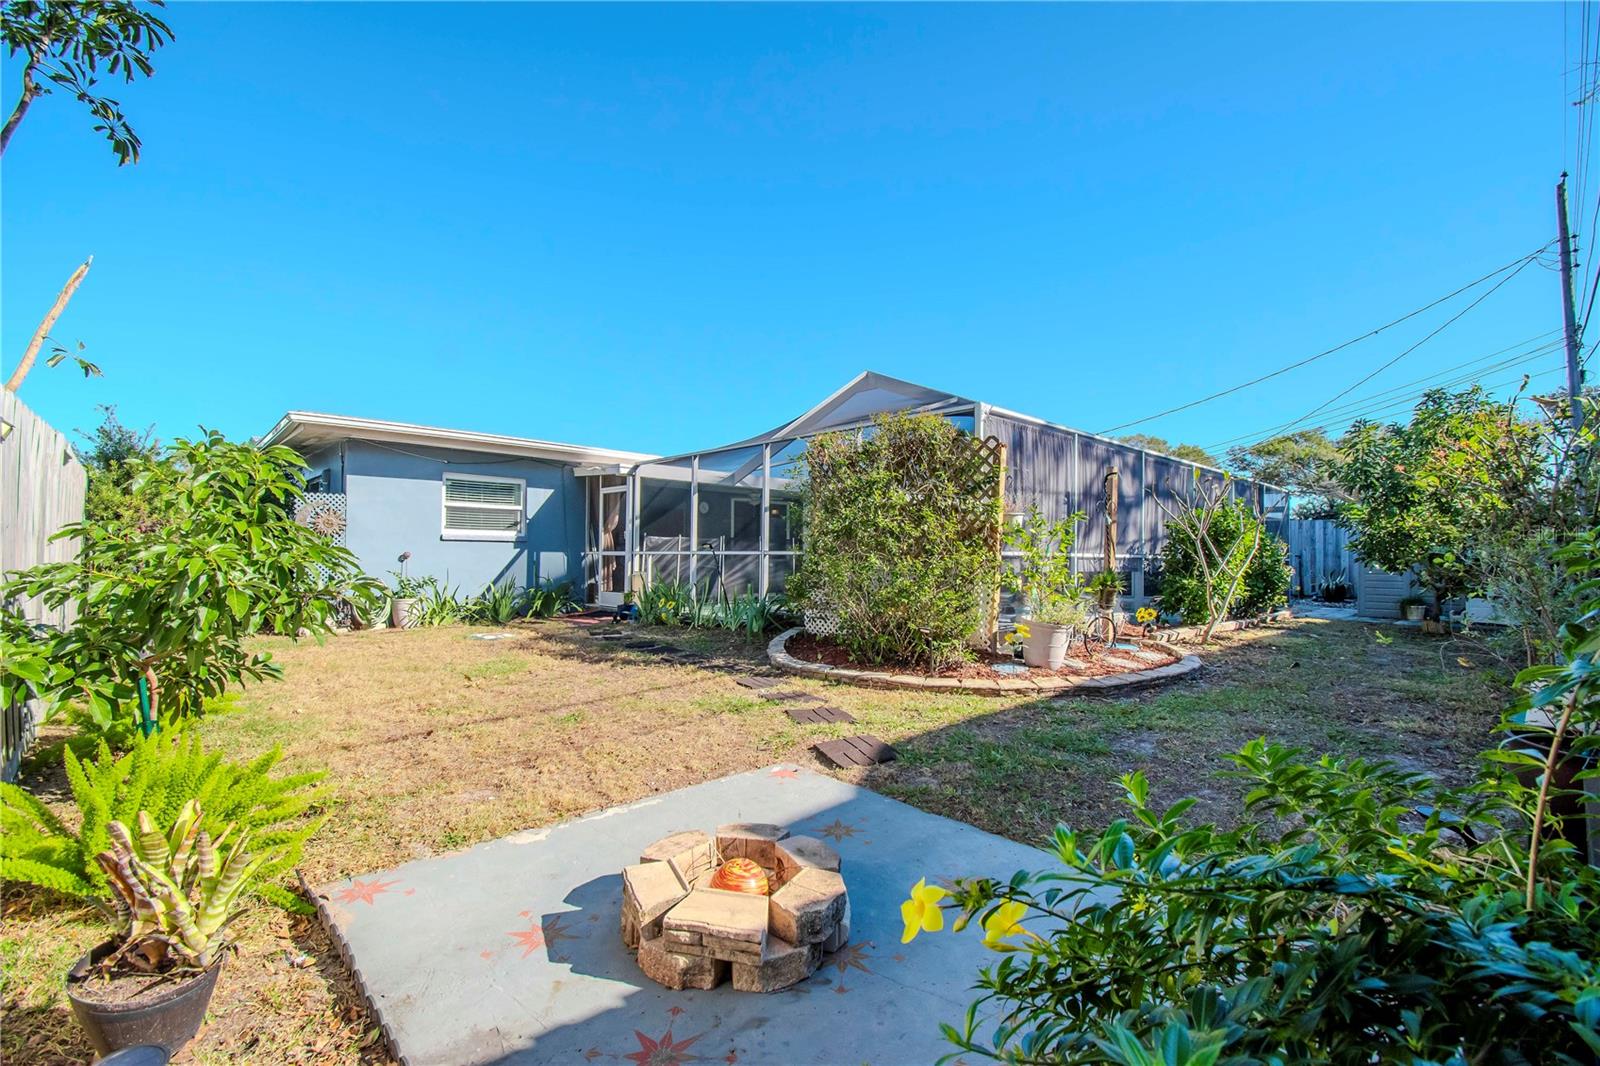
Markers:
point(1346, 926)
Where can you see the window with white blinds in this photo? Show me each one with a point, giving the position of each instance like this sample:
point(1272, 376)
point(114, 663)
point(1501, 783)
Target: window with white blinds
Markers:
point(476, 505)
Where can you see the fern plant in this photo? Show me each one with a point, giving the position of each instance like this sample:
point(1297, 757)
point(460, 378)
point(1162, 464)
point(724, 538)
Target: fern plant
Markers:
point(159, 775)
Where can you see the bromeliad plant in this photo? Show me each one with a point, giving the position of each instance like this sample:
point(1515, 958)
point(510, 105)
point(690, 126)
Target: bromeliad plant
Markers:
point(174, 893)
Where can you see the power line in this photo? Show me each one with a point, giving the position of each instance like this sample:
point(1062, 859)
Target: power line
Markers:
point(1452, 320)
point(1354, 412)
point(1518, 264)
point(1444, 378)
point(1406, 402)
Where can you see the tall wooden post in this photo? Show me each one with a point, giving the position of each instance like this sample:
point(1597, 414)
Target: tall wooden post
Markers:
point(1108, 597)
point(999, 544)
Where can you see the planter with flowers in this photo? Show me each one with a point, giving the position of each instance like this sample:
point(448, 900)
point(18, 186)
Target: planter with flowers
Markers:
point(1054, 602)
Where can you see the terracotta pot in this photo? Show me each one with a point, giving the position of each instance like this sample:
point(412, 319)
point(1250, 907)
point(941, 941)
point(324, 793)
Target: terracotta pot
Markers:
point(168, 1016)
point(1046, 646)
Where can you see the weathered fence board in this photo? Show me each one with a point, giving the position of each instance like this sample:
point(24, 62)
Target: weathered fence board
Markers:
point(1318, 547)
point(41, 489)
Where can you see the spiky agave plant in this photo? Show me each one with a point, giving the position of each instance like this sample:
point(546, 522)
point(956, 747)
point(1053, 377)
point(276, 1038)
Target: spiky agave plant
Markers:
point(174, 894)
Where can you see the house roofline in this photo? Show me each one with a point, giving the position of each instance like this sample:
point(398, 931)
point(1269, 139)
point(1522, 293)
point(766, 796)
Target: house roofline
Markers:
point(316, 426)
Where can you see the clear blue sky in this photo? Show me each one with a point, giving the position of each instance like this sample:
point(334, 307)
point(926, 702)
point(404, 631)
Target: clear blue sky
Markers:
point(667, 227)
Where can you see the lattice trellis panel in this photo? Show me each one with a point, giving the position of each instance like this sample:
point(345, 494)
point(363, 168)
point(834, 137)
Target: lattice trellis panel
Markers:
point(325, 513)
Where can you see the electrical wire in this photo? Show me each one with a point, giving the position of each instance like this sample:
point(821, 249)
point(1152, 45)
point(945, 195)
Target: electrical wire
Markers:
point(1516, 264)
point(1452, 320)
point(1441, 378)
point(1356, 413)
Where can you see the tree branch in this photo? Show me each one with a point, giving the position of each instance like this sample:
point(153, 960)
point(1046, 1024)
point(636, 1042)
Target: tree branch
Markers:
point(45, 326)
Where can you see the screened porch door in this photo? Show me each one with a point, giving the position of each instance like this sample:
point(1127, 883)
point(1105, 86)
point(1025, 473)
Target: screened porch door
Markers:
point(611, 536)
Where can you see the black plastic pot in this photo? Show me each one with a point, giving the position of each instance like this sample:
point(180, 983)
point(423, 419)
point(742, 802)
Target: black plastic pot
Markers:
point(168, 1016)
point(1567, 804)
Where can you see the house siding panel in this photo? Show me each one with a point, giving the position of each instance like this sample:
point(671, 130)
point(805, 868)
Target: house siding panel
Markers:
point(394, 500)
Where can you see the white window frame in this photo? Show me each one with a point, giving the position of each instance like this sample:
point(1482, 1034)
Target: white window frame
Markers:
point(446, 533)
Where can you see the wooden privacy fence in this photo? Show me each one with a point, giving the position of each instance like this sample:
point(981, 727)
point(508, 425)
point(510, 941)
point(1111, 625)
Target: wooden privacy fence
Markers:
point(1318, 547)
point(42, 487)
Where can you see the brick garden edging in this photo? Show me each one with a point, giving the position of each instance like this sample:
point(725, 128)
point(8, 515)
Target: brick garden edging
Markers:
point(778, 655)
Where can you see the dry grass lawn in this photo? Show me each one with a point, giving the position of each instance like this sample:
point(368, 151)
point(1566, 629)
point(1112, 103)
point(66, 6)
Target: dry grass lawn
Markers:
point(435, 741)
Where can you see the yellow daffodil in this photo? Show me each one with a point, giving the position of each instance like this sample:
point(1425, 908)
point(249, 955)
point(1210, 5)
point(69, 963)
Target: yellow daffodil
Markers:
point(1005, 922)
point(921, 912)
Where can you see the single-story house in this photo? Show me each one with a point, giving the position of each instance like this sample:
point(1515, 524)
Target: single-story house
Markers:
point(472, 508)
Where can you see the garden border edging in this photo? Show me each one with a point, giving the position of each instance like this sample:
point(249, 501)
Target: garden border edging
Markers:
point(778, 655)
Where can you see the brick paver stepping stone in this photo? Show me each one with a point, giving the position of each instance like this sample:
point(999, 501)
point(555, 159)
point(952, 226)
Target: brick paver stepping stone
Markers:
point(1151, 656)
point(760, 683)
point(861, 750)
point(818, 715)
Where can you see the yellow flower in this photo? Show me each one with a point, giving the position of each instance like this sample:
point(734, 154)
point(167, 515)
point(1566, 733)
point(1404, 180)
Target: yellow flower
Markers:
point(1145, 615)
point(1023, 632)
point(1005, 922)
point(921, 912)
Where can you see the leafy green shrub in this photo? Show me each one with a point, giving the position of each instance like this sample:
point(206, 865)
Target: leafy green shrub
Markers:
point(1051, 591)
point(159, 774)
point(898, 540)
point(547, 599)
point(671, 603)
point(497, 604)
point(665, 603)
point(1352, 923)
point(175, 596)
point(1229, 533)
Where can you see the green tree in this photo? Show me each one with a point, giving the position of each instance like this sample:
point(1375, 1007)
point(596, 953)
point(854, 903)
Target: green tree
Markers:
point(1421, 493)
point(174, 596)
point(113, 457)
point(1306, 462)
point(1192, 452)
point(68, 45)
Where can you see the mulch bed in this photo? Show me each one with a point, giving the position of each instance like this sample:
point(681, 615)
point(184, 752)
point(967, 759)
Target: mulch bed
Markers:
point(1100, 663)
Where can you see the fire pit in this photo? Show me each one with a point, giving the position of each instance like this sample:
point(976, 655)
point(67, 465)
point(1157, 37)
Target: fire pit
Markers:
point(753, 903)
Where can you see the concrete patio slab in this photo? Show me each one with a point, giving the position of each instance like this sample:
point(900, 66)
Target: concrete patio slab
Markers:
point(509, 952)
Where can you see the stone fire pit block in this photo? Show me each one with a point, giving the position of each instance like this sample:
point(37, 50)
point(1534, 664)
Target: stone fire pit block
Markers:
point(751, 840)
point(690, 852)
point(649, 890)
point(808, 908)
point(782, 964)
point(679, 971)
point(796, 853)
point(722, 925)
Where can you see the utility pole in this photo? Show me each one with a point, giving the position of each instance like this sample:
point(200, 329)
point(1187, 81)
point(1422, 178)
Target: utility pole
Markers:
point(1569, 311)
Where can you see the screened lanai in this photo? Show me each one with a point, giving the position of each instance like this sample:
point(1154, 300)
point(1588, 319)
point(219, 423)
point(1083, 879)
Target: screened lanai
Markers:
point(722, 519)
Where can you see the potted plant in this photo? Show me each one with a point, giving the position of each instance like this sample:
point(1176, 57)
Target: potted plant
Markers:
point(1105, 587)
point(1413, 608)
point(1054, 605)
point(407, 591)
point(174, 896)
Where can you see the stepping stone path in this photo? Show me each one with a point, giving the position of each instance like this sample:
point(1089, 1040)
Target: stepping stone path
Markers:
point(818, 715)
point(760, 683)
point(862, 750)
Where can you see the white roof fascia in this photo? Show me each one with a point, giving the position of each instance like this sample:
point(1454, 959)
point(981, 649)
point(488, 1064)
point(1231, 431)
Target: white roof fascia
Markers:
point(301, 424)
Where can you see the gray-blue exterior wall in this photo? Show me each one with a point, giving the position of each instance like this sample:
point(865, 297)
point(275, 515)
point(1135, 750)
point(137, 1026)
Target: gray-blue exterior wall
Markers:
point(394, 503)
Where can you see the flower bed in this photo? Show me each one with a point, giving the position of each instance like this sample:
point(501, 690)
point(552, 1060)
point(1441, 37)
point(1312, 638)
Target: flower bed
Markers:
point(798, 652)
